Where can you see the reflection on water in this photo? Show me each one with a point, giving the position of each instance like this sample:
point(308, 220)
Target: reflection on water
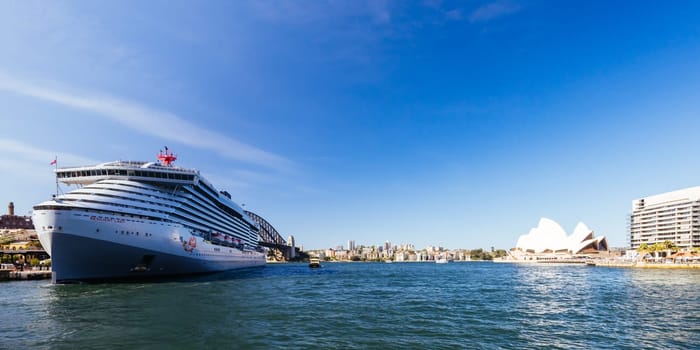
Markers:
point(668, 304)
point(663, 278)
point(643, 307)
point(358, 306)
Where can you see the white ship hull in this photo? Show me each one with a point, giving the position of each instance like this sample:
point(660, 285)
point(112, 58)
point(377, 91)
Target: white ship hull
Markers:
point(85, 245)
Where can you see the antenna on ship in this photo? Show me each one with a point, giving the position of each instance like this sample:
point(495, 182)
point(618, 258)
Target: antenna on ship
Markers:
point(166, 158)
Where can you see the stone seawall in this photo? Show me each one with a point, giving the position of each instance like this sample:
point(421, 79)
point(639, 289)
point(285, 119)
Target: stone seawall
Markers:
point(641, 264)
point(10, 275)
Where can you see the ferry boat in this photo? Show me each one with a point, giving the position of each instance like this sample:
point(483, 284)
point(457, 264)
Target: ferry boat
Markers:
point(314, 263)
point(130, 219)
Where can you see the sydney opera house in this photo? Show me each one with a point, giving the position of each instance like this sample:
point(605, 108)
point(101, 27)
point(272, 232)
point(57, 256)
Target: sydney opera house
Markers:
point(549, 241)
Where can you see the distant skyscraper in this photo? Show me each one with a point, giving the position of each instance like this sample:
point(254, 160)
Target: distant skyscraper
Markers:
point(351, 245)
point(672, 216)
point(387, 245)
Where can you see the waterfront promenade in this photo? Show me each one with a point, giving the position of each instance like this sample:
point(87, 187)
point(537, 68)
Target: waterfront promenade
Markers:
point(647, 265)
point(14, 275)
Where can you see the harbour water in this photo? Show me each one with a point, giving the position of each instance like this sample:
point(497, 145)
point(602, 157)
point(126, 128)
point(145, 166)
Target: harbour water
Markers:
point(365, 305)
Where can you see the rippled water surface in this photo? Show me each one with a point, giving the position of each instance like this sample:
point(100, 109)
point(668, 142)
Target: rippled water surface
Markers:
point(365, 305)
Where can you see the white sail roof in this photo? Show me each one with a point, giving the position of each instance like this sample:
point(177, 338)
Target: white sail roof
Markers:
point(550, 236)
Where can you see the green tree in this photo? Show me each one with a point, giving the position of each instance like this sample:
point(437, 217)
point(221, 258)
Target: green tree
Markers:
point(659, 247)
point(479, 254)
point(669, 245)
point(643, 248)
point(18, 258)
point(500, 253)
point(476, 254)
point(652, 249)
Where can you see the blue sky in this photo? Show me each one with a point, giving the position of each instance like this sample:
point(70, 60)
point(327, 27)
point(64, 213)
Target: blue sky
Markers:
point(452, 123)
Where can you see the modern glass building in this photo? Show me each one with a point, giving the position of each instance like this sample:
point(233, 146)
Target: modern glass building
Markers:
point(672, 216)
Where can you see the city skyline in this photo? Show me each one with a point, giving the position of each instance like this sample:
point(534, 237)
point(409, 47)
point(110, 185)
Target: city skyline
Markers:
point(436, 123)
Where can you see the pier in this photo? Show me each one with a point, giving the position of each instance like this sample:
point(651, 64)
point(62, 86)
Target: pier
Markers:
point(13, 275)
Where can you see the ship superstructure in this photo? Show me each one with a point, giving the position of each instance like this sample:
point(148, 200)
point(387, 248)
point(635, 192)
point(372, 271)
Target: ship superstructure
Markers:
point(141, 219)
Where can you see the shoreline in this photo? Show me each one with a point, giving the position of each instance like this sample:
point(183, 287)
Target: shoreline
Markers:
point(10, 275)
point(644, 265)
point(604, 263)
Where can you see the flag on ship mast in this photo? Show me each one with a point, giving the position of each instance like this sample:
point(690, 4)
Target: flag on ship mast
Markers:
point(54, 162)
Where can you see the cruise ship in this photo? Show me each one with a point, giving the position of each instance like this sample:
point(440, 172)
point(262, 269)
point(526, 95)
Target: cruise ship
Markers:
point(132, 220)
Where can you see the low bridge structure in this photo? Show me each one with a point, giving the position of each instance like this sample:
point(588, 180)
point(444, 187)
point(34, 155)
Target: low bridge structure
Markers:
point(268, 237)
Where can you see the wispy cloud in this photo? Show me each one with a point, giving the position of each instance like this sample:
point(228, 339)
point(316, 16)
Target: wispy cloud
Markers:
point(454, 15)
point(157, 123)
point(32, 165)
point(294, 11)
point(492, 11)
point(29, 153)
point(240, 178)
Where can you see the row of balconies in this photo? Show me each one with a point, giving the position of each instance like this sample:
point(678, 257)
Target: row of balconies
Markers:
point(684, 226)
point(657, 233)
point(664, 226)
point(684, 222)
point(646, 226)
point(664, 229)
point(664, 216)
point(661, 239)
point(664, 210)
point(654, 224)
point(651, 216)
point(649, 211)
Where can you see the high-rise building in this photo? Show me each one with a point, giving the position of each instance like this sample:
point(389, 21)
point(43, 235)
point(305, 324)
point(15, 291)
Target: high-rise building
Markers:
point(351, 245)
point(672, 216)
